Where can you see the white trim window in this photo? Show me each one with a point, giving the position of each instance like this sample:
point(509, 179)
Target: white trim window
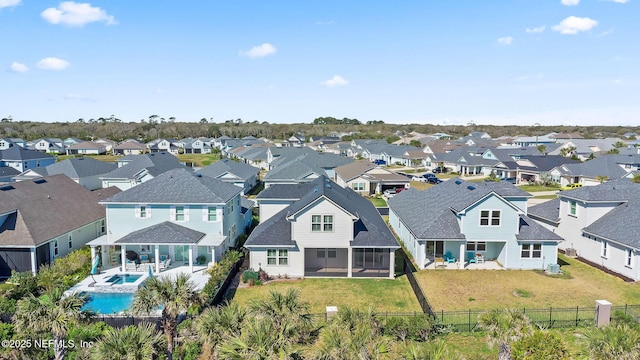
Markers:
point(278, 257)
point(573, 208)
point(359, 186)
point(56, 250)
point(102, 226)
point(70, 241)
point(210, 214)
point(180, 213)
point(143, 212)
point(322, 223)
point(531, 251)
point(490, 217)
point(604, 249)
point(476, 246)
point(628, 258)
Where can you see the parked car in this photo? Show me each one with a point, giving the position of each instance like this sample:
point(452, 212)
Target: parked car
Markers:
point(434, 180)
point(428, 176)
point(419, 178)
point(379, 162)
point(571, 187)
point(439, 170)
point(389, 193)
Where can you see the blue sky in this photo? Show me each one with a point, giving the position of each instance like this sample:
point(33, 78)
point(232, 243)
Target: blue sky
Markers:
point(442, 62)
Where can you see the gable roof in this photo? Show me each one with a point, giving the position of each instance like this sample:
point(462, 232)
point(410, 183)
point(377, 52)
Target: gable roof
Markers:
point(442, 202)
point(163, 233)
point(154, 163)
point(370, 230)
point(76, 168)
point(354, 169)
point(548, 210)
point(223, 166)
point(621, 190)
point(622, 225)
point(529, 230)
point(19, 153)
point(87, 145)
point(43, 209)
point(177, 186)
point(606, 165)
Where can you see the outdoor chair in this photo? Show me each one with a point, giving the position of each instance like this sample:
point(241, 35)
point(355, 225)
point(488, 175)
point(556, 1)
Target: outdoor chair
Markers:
point(164, 265)
point(449, 258)
point(130, 266)
point(144, 258)
point(471, 257)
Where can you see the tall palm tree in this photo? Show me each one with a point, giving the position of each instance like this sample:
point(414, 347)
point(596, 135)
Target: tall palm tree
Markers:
point(503, 327)
point(288, 313)
point(140, 342)
point(220, 322)
point(52, 313)
point(174, 295)
point(619, 342)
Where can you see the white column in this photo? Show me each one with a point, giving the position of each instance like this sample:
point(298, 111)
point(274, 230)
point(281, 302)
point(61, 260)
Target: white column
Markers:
point(422, 255)
point(392, 264)
point(349, 262)
point(34, 265)
point(123, 256)
point(157, 253)
point(191, 258)
point(462, 255)
point(93, 254)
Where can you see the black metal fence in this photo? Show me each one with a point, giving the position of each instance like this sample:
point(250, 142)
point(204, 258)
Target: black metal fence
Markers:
point(415, 286)
point(222, 289)
point(127, 320)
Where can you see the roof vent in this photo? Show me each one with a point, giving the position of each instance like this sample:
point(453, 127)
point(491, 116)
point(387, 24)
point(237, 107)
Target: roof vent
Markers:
point(40, 181)
point(471, 187)
point(6, 188)
point(198, 175)
point(328, 186)
point(458, 182)
point(315, 190)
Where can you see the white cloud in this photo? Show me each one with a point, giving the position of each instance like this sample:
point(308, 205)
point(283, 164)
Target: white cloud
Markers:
point(76, 14)
point(263, 50)
point(570, 2)
point(618, 1)
point(9, 3)
point(52, 63)
point(336, 80)
point(605, 33)
point(507, 40)
point(536, 30)
point(573, 25)
point(18, 67)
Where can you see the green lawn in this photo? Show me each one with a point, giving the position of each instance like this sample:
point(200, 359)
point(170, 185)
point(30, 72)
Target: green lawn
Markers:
point(385, 295)
point(200, 160)
point(420, 185)
point(545, 197)
point(490, 289)
point(534, 188)
point(378, 202)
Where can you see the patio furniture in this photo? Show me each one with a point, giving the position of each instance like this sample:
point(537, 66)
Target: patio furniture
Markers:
point(164, 265)
point(438, 261)
point(471, 257)
point(480, 258)
point(144, 258)
point(163, 257)
point(130, 265)
point(449, 258)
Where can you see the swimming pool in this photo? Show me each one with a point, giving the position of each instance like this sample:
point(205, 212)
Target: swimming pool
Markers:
point(123, 278)
point(108, 303)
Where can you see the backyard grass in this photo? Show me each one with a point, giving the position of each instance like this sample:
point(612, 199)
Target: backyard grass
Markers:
point(199, 160)
point(490, 289)
point(378, 202)
point(106, 158)
point(420, 185)
point(545, 197)
point(534, 188)
point(385, 295)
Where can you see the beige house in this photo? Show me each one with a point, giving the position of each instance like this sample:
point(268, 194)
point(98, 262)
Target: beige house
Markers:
point(365, 177)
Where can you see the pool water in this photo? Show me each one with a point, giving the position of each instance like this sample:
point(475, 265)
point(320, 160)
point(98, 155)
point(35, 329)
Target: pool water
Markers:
point(123, 278)
point(108, 303)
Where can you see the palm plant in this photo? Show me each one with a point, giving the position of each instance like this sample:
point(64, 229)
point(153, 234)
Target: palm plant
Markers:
point(432, 350)
point(220, 322)
point(288, 313)
point(140, 342)
point(503, 327)
point(174, 295)
point(619, 342)
point(259, 340)
point(52, 313)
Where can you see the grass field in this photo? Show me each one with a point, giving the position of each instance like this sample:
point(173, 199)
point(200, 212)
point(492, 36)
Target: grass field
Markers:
point(378, 202)
point(545, 197)
point(491, 289)
point(420, 185)
point(199, 160)
point(534, 188)
point(385, 295)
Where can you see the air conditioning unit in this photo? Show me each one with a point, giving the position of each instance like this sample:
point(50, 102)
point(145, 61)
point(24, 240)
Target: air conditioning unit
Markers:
point(571, 252)
point(553, 269)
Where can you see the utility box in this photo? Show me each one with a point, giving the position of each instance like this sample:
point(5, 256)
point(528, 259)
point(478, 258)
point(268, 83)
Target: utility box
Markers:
point(553, 269)
point(571, 252)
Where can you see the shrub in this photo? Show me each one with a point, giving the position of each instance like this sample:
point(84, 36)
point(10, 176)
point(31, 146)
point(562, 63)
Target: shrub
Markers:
point(218, 273)
point(249, 275)
point(414, 328)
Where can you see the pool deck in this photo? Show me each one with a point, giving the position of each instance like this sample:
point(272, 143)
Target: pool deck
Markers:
point(199, 277)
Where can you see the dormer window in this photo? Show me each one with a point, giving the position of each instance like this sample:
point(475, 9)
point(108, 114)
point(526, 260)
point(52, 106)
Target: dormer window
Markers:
point(322, 223)
point(490, 217)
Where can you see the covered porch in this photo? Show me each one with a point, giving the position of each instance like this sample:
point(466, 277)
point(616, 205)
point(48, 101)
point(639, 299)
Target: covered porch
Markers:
point(349, 262)
point(159, 247)
point(460, 254)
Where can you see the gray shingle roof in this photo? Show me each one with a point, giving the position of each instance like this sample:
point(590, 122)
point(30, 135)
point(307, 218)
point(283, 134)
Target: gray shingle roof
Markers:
point(613, 190)
point(530, 230)
point(370, 230)
point(219, 168)
point(621, 225)
point(282, 191)
point(8, 171)
point(178, 186)
point(155, 164)
point(76, 168)
point(162, 233)
point(430, 214)
point(601, 166)
point(18, 153)
point(46, 208)
point(548, 210)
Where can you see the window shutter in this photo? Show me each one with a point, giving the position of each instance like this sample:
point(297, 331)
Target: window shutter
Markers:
point(137, 212)
point(205, 213)
point(148, 211)
point(172, 213)
point(186, 213)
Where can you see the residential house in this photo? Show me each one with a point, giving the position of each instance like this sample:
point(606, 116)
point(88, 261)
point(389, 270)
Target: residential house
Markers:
point(534, 140)
point(84, 171)
point(366, 178)
point(108, 144)
point(71, 141)
point(129, 147)
point(595, 171)
point(163, 145)
point(136, 169)
point(320, 229)
point(177, 215)
point(254, 155)
point(196, 146)
point(601, 223)
point(87, 148)
point(233, 172)
point(22, 159)
point(49, 145)
point(7, 174)
point(5, 143)
point(467, 219)
point(341, 148)
point(46, 218)
point(292, 168)
point(400, 155)
point(585, 149)
point(531, 169)
point(294, 141)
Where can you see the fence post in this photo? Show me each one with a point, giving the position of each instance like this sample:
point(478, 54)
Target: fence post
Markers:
point(469, 320)
point(550, 315)
point(577, 309)
point(625, 309)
